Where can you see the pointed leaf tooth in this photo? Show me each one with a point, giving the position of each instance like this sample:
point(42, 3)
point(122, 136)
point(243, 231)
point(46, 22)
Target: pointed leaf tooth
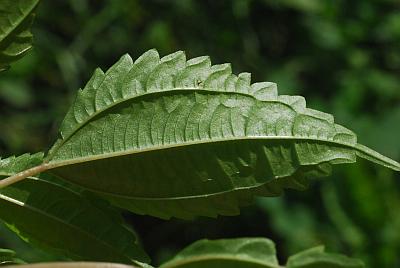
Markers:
point(219, 73)
point(195, 73)
point(200, 60)
point(164, 74)
point(245, 77)
point(264, 91)
point(82, 108)
point(298, 103)
point(82, 102)
point(109, 90)
point(149, 56)
point(345, 135)
point(95, 81)
point(243, 83)
point(230, 83)
point(135, 81)
point(174, 56)
point(69, 122)
point(101, 90)
point(321, 115)
point(311, 126)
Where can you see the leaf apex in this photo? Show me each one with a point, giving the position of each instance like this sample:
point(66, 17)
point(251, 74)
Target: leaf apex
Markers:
point(373, 156)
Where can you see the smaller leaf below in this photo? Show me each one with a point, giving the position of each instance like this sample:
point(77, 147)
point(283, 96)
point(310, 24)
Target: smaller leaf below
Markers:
point(316, 257)
point(253, 253)
point(240, 252)
point(62, 220)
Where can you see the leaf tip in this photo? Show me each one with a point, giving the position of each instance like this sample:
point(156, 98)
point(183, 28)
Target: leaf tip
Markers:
point(373, 156)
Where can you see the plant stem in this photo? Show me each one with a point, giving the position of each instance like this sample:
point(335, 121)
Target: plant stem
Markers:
point(23, 175)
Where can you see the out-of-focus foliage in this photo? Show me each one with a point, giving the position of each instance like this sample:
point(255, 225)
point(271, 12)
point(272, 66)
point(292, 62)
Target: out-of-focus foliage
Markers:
point(16, 17)
point(7, 257)
point(253, 253)
point(344, 56)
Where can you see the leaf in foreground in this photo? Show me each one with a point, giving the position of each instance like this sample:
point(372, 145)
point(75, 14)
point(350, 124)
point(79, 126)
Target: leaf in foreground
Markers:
point(62, 220)
point(16, 17)
point(171, 137)
point(253, 253)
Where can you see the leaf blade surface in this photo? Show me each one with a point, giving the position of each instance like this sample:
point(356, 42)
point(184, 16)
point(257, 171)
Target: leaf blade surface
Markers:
point(171, 137)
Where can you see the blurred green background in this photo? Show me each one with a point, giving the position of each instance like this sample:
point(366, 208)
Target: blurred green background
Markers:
point(343, 56)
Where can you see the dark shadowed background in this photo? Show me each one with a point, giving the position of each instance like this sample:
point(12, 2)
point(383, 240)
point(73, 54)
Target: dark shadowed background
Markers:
point(343, 56)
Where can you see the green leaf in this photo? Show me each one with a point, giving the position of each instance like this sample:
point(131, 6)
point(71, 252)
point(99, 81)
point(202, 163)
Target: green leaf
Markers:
point(13, 164)
point(253, 253)
point(59, 219)
point(239, 252)
point(7, 257)
point(316, 257)
point(16, 17)
point(170, 137)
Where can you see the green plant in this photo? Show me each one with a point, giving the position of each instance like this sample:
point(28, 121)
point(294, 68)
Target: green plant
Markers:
point(16, 17)
point(172, 138)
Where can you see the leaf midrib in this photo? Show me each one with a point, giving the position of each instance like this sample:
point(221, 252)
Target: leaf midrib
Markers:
point(156, 92)
point(53, 164)
point(78, 160)
point(38, 211)
point(19, 21)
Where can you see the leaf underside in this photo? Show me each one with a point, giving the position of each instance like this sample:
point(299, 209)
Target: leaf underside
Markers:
point(61, 220)
point(16, 17)
point(253, 253)
point(171, 137)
